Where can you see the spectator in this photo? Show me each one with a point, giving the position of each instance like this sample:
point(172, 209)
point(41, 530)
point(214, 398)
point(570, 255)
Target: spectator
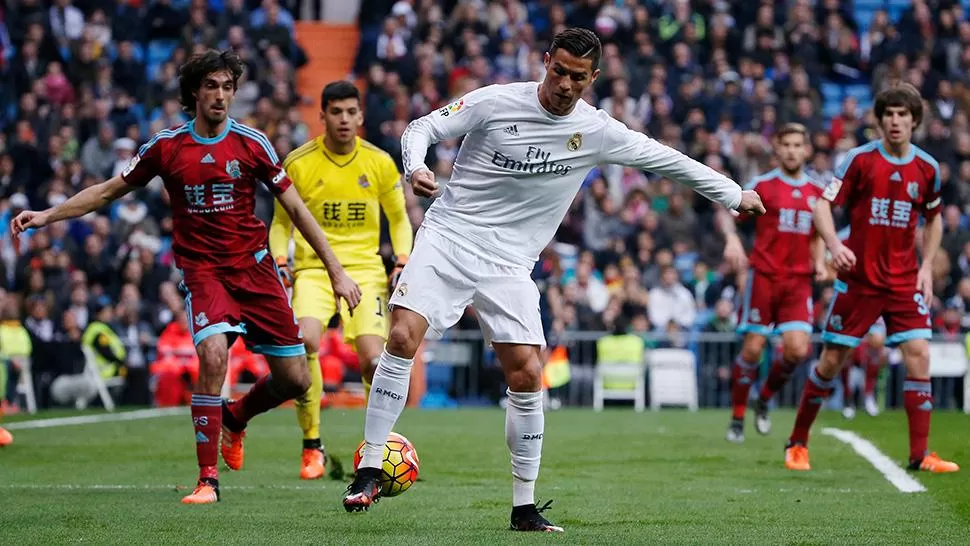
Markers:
point(671, 302)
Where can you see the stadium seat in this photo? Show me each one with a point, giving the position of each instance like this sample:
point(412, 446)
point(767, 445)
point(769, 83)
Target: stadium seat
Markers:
point(673, 378)
point(619, 381)
point(101, 384)
point(949, 359)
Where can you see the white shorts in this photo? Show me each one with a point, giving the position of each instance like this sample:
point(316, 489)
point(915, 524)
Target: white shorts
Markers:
point(441, 279)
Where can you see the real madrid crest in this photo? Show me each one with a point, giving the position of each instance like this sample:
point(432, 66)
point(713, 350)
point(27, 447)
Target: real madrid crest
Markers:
point(575, 142)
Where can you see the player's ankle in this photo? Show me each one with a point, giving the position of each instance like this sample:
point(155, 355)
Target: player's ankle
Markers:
point(313, 443)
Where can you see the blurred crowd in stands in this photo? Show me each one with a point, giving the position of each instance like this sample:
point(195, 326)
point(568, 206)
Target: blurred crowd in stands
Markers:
point(85, 82)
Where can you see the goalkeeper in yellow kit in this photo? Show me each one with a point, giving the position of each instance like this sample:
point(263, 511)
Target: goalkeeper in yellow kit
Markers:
point(345, 181)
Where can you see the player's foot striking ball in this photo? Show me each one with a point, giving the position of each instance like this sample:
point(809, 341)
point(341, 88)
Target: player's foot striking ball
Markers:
point(398, 472)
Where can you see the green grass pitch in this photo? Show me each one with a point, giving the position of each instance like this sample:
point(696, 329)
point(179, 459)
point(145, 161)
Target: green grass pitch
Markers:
point(616, 477)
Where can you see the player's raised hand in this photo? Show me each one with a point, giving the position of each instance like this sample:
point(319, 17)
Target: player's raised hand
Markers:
point(734, 254)
point(346, 289)
point(29, 219)
point(423, 183)
point(842, 257)
point(924, 284)
point(751, 203)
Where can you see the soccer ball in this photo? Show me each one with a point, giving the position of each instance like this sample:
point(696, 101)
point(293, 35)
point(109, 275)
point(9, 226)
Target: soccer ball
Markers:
point(399, 469)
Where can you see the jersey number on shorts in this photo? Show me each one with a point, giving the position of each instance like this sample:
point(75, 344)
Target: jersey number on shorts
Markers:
point(380, 307)
point(921, 304)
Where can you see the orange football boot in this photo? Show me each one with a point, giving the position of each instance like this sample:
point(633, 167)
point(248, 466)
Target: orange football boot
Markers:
point(207, 492)
point(5, 437)
point(933, 463)
point(796, 457)
point(232, 448)
point(312, 466)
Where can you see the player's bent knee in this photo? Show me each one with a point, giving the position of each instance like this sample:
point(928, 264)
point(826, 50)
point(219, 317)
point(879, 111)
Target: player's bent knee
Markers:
point(753, 347)
point(401, 341)
point(916, 357)
point(796, 352)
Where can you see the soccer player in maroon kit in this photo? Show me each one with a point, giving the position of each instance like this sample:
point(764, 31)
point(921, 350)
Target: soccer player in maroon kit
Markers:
point(871, 357)
point(787, 255)
point(884, 186)
point(210, 167)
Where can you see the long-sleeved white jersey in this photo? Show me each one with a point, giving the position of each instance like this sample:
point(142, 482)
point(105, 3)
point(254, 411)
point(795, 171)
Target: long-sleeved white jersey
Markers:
point(520, 166)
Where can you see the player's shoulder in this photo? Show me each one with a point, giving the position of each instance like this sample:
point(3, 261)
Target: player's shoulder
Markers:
point(856, 156)
point(925, 157)
point(305, 152)
point(256, 139)
point(764, 180)
point(165, 136)
point(371, 150)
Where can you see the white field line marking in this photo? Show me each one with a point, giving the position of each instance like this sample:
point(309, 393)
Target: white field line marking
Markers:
point(890, 470)
point(131, 487)
point(99, 418)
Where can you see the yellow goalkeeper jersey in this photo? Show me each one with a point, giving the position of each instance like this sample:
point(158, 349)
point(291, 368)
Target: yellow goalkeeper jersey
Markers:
point(345, 194)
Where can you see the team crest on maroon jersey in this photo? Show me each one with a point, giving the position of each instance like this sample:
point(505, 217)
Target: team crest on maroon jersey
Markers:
point(232, 168)
point(912, 189)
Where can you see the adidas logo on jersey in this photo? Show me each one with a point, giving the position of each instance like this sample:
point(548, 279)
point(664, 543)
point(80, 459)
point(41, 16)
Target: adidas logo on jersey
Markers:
point(896, 177)
point(208, 159)
point(512, 130)
point(201, 438)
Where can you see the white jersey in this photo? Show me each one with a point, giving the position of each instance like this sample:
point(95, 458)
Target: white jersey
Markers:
point(520, 166)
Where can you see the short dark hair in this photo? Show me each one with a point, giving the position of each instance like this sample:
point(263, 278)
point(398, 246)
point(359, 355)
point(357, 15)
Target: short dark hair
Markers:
point(201, 65)
point(902, 95)
point(338, 90)
point(579, 42)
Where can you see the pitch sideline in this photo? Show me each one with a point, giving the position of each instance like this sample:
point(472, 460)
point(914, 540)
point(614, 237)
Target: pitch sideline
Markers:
point(136, 415)
point(868, 451)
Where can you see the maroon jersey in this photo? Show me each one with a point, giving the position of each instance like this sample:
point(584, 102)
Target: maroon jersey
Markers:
point(783, 235)
point(211, 183)
point(884, 196)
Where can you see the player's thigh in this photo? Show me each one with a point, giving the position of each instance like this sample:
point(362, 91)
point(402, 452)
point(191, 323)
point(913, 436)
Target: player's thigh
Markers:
point(371, 316)
point(271, 326)
point(757, 305)
point(907, 317)
point(850, 314)
point(313, 295)
point(210, 308)
point(312, 330)
point(434, 284)
point(794, 307)
point(507, 305)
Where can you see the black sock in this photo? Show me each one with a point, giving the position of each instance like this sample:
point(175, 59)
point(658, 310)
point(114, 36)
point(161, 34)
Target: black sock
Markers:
point(313, 444)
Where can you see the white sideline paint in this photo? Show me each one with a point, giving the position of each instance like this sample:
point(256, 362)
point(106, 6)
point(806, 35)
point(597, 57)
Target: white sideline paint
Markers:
point(99, 418)
point(890, 470)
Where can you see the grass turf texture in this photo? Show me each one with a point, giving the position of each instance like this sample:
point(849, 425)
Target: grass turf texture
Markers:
point(616, 477)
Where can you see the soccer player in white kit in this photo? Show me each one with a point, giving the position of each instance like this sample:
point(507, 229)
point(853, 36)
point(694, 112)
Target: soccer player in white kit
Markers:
point(527, 149)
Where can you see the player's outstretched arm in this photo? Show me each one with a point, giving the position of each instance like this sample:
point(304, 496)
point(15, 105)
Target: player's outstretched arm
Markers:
point(280, 232)
point(87, 200)
point(343, 286)
point(633, 149)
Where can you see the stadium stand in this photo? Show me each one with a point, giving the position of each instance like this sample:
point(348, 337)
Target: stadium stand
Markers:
point(87, 81)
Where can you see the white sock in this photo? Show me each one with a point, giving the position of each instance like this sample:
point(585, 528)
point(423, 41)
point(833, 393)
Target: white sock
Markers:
point(524, 424)
point(388, 394)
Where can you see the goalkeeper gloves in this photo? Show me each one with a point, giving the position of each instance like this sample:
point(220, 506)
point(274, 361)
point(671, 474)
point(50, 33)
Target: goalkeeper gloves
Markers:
point(285, 275)
point(396, 273)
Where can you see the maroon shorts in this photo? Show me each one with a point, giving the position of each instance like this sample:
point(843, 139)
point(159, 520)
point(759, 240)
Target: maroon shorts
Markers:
point(856, 307)
point(776, 305)
point(249, 300)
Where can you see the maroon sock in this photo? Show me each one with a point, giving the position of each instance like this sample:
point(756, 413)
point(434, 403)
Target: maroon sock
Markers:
point(207, 419)
point(817, 389)
point(261, 398)
point(872, 376)
point(743, 374)
point(780, 371)
point(918, 399)
point(847, 394)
